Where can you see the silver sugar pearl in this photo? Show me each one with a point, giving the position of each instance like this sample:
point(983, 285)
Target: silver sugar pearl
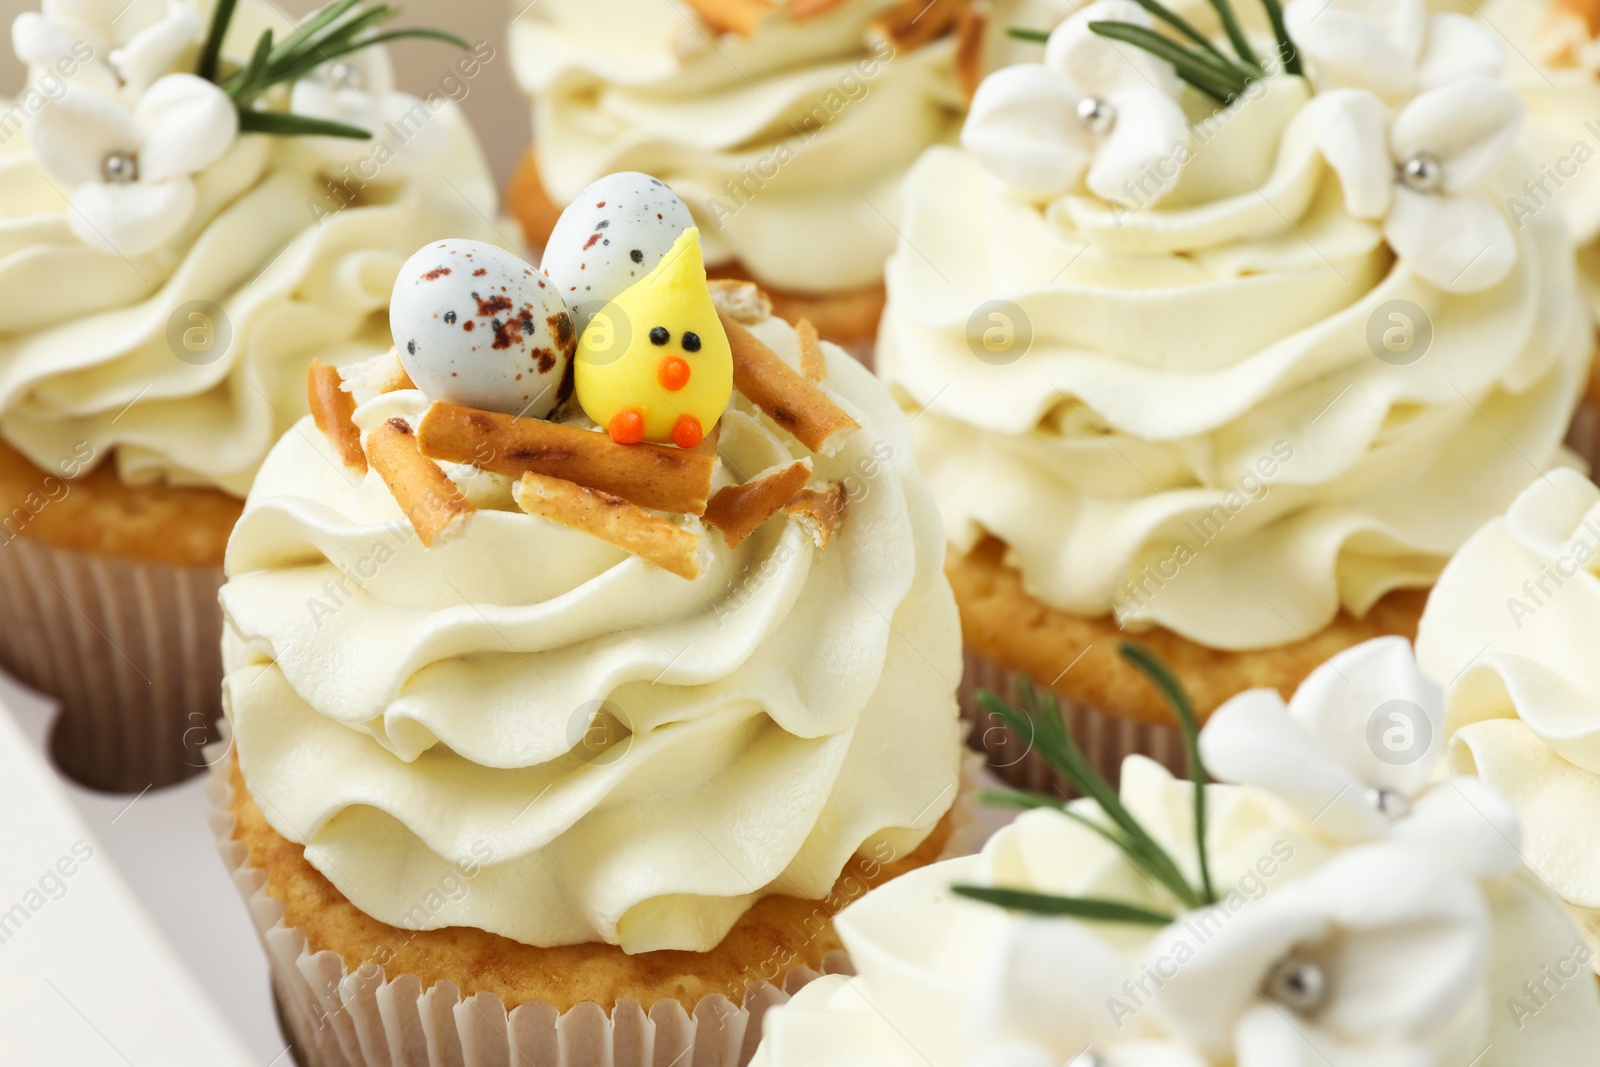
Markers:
point(1422, 173)
point(1388, 802)
point(1097, 115)
point(348, 74)
point(1298, 984)
point(1086, 1058)
point(120, 167)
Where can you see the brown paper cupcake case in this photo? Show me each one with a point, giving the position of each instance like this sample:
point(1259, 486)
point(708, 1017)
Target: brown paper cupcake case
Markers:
point(131, 652)
point(367, 1019)
point(1106, 739)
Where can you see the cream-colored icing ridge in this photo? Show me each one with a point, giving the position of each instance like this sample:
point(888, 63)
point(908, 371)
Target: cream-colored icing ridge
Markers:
point(1201, 434)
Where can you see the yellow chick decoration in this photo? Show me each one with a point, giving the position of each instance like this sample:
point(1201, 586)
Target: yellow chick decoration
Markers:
point(654, 364)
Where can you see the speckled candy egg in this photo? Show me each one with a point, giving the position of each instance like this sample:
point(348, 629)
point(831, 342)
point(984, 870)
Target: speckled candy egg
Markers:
point(610, 236)
point(477, 326)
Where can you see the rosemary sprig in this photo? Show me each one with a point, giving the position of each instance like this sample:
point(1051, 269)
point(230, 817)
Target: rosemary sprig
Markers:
point(1200, 63)
point(288, 124)
point(1144, 661)
point(1055, 745)
point(1287, 52)
point(1092, 908)
point(1192, 67)
point(1040, 718)
point(341, 28)
point(211, 53)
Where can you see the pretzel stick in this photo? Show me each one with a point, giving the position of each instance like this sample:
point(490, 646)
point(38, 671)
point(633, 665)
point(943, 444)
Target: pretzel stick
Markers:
point(1585, 11)
point(971, 25)
point(651, 476)
point(745, 301)
point(818, 511)
point(739, 16)
point(913, 23)
point(739, 510)
point(380, 374)
point(428, 497)
point(813, 364)
point(333, 410)
point(784, 393)
point(800, 10)
point(611, 519)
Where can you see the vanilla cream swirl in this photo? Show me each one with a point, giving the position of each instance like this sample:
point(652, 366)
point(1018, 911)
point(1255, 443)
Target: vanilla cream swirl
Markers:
point(1510, 628)
point(1554, 65)
point(407, 712)
point(1202, 434)
point(290, 258)
point(925, 958)
point(788, 146)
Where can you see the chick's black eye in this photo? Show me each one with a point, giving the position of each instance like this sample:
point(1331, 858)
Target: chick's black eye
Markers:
point(691, 342)
point(660, 336)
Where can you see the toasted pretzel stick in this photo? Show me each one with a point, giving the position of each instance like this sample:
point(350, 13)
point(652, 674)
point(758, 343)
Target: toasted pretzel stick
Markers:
point(709, 443)
point(380, 374)
point(651, 476)
point(1586, 11)
point(745, 301)
point(739, 510)
point(913, 23)
point(333, 410)
point(813, 364)
point(784, 393)
point(800, 10)
point(611, 519)
point(738, 16)
point(971, 25)
point(818, 511)
point(428, 497)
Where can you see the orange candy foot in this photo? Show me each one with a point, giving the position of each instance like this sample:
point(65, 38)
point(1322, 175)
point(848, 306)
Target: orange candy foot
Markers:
point(686, 432)
point(627, 427)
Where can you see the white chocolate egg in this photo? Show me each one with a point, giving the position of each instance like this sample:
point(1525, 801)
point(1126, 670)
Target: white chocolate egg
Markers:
point(477, 326)
point(611, 235)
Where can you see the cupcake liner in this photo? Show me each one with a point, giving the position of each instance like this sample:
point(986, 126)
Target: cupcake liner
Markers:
point(1106, 739)
point(334, 1018)
point(1584, 436)
point(131, 652)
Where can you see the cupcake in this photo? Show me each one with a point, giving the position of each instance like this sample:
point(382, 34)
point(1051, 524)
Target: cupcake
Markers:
point(553, 726)
point(179, 237)
point(786, 126)
point(1234, 377)
point(1375, 936)
point(1503, 631)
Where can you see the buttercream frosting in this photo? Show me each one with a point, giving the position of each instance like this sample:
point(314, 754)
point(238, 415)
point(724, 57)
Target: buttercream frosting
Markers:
point(1234, 412)
point(1428, 964)
point(1506, 629)
point(187, 362)
point(1553, 63)
point(788, 146)
point(402, 711)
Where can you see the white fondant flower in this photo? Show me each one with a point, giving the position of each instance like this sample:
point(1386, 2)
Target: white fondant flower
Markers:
point(1095, 111)
point(1357, 753)
point(1039, 1000)
point(1393, 48)
point(129, 169)
point(133, 43)
point(1424, 172)
point(1374, 958)
point(359, 90)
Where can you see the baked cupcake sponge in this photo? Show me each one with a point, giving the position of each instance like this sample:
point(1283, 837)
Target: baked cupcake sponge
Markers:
point(781, 933)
